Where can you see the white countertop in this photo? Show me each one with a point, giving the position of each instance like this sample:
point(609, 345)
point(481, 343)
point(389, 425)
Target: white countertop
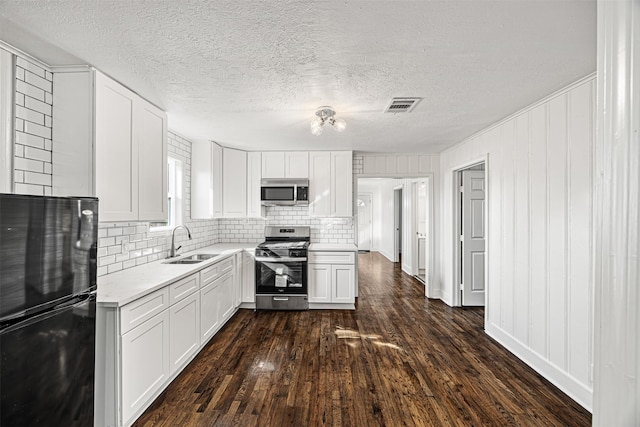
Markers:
point(120, 288)
point(333, 247)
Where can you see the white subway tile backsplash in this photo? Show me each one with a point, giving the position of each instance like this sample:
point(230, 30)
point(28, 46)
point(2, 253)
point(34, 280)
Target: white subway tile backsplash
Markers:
point(28, 65)
point(30, 140)
point(30, 91)
point(30, 115)
point(39, 106)
point(34, 190)
point(37, 178)
point(37, 154)
point(36, 129)
point(28, 165)
point(37, 81)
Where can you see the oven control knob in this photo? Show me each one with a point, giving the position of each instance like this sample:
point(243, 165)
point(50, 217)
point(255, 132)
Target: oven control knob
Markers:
point(296, 254)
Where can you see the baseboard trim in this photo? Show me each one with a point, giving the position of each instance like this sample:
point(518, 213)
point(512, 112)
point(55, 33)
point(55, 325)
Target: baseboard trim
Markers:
point(569, 385)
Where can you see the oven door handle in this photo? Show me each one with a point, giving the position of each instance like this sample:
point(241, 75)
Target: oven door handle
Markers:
point(281, 259)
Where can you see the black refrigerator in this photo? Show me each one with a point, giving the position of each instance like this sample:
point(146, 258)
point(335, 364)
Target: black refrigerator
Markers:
point(48, 249)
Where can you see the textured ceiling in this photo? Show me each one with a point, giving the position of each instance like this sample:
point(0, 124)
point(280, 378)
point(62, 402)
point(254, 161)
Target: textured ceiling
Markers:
point(250, 74)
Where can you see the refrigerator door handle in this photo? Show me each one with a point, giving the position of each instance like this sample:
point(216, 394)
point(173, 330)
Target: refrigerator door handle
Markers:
point(17, 323)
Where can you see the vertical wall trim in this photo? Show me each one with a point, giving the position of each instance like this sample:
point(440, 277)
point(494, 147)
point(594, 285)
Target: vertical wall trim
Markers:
point(7, 114)
point(617, 190)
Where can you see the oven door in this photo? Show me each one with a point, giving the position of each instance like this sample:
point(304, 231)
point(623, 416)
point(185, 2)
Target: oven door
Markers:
point(276, 276)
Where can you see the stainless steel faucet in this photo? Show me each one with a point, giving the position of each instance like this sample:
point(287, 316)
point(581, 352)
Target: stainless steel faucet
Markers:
point(172, 251)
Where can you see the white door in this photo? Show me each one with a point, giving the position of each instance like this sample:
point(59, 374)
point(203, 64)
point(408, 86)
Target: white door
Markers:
point(364, 222)
point(473, 238)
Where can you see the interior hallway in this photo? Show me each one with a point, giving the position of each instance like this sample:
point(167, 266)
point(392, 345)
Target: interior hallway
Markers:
point(399, 359)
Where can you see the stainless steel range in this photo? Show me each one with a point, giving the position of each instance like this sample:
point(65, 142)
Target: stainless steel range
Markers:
point(281, 269)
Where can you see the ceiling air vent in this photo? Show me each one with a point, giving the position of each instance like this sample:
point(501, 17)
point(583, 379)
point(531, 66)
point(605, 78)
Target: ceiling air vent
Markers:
point(402, 105)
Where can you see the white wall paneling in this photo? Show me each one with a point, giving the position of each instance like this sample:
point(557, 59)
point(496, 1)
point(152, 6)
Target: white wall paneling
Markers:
point(540, 221)
point(7, 104)
point(617, 159)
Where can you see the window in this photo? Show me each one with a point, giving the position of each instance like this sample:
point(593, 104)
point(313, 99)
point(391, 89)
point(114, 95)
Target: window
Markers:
point(174, 196)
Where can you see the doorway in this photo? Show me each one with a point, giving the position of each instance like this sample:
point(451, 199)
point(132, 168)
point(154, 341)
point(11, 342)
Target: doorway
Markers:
point(471, 234)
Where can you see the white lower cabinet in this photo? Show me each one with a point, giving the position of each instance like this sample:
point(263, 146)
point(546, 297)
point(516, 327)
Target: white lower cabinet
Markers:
point(319, 278)
point(331, 278)
point(209, 310)
point(145, 363)
point(184, 331)
point(141, 346)
point(227, 296)
point(248, 279)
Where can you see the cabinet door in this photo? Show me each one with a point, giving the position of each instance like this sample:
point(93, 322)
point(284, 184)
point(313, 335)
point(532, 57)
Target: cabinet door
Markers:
point(237, 280)
point(341, 183)
point(216, 191)
point(209, 311)
point(273, 164)
point(254, 174)
point(206, 180)
point(296, 164)
point(116, 151)
point(319, 183)
point(343, 283)
point(248, 278)
point(150, 125)
point(319, 276)
point(234, 180)
point(184, 330)
point(227, 296)
point(145, 363)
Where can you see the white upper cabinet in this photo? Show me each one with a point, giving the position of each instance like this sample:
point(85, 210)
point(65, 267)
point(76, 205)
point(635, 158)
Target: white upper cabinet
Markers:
point(341, 183)
point(296, 164)
point(151, 127)
point(330, 184)
point(234, 183)
point(206, 180)
point(254, 173)
point(116, 148)
point(110, 143)
point(289, 164)
point(273, 164)
point(319, 183)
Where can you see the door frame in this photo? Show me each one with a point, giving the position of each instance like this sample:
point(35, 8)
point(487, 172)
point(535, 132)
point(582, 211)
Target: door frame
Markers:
point(456, 294)
point(430, 290)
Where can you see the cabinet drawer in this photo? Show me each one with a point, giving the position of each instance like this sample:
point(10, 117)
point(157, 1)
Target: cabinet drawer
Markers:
point(183, 288)
point(210, 274)
point(136, 312)
point(332, 258)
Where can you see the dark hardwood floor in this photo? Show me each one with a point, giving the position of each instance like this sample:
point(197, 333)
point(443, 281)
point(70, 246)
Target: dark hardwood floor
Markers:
point(398, 360)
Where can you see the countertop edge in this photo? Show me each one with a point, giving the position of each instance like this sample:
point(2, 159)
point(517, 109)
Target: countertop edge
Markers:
point(125, 286)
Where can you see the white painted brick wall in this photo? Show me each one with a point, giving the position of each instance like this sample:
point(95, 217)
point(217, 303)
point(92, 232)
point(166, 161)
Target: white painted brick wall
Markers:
point(33, 147)
point(126, 245)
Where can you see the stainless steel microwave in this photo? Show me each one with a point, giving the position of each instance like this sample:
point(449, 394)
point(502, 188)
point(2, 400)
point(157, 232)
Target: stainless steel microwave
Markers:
point(284, 192)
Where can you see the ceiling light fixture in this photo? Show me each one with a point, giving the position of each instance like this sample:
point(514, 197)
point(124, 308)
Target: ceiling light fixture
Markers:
point(326, 115)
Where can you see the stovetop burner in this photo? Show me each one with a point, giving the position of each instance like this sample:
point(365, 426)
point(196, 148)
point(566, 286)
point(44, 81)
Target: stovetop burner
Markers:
point(284, 245)
point(284, 241)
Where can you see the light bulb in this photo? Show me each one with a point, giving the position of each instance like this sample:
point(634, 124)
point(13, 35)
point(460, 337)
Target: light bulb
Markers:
point(339, 125)
point(316, 126)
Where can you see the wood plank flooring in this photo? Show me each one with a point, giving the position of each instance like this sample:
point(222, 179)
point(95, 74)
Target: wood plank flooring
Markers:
point(397, 360)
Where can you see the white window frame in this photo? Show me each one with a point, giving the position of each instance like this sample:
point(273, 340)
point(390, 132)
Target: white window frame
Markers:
point(175, 190)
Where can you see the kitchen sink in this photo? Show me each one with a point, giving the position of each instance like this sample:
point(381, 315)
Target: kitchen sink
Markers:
point(200, 257)
point(184, 261)
point(192, 259)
